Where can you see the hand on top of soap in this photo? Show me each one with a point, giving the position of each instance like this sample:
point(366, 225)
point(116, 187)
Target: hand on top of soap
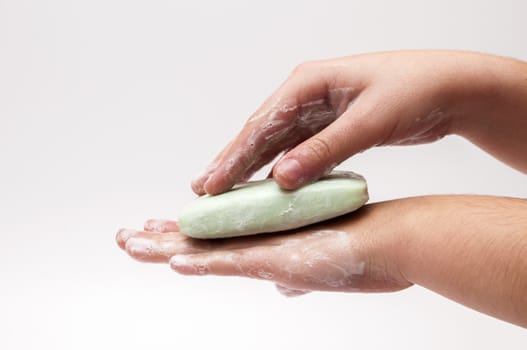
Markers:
point(329, 110)
point(343, 254)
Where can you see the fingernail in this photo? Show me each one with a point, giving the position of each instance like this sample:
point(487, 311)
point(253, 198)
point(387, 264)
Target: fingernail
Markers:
point(290, 171)
point(198, 182)
point(182, 264)
point(123, 236)
point(179, 260)
point(209, 187)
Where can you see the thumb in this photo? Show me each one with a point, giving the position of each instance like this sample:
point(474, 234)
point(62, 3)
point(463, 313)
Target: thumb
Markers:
point(356, 130)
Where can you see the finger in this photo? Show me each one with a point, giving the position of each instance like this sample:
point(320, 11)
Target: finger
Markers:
point(155, 247)
point(254, 262)
point(198, 182)
point(123, 235)
point(264, 160)
point(160, 247)
point(290, 292)
point(358, 129)
point(161, 225)
point(275, 126)
point(270, 173)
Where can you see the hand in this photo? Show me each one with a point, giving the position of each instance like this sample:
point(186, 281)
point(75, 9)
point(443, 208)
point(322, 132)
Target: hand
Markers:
point(468, 248)
point(471, 249)
point(328, 110)
point(347, 254)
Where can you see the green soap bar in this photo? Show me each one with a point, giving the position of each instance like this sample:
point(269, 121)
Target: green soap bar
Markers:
point(262, 206)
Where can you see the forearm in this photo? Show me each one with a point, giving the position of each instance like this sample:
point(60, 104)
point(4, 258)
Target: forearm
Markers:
point(491, 108)
point(472, 249)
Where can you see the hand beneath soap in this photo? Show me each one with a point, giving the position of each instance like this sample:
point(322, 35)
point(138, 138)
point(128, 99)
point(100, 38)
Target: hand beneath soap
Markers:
point(345, 254)
point(329, 110)
point(471, 249)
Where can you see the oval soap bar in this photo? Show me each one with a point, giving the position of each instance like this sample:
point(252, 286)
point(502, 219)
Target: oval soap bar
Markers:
point(262, 206)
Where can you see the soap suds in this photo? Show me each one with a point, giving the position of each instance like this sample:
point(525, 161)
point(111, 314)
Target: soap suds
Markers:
point(264, 274)
point(313, 260)
point(124, 235)
point(290, 292)
point(320, 259)
point(324, 260)
point(154, 250)
point(138, 247)
point(179, 260)
point(428, 128)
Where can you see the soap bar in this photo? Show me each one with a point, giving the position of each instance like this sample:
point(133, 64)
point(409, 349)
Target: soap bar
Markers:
point(262, 206)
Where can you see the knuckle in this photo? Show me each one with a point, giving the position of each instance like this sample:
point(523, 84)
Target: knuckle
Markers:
point(320, 149)
point(306, 66)
point(236, 166)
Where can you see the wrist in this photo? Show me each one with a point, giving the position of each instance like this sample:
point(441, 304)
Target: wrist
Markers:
point(469, 249)
point(484, 89)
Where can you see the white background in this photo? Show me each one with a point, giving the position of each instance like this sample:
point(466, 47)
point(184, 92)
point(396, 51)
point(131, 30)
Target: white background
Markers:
point(107, 110)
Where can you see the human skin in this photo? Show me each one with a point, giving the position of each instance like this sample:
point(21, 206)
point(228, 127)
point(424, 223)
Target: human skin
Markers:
point(472, 249)
point(329, 110)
